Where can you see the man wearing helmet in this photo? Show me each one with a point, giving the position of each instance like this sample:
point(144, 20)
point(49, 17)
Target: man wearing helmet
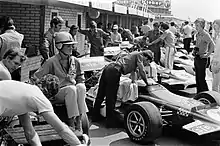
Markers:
point(29, 98)
point(48, 48)
point(67, 69)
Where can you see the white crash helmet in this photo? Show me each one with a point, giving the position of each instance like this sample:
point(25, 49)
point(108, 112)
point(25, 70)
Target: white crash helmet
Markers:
point(63, 38)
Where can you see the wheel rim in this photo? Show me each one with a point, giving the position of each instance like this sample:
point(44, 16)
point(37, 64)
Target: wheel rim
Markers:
point(204, 100)
point(136, 124)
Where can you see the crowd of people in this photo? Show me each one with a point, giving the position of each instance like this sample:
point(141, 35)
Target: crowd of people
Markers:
point(59, 53)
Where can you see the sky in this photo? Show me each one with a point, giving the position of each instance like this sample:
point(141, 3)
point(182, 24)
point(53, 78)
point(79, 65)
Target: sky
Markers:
point(192, 9)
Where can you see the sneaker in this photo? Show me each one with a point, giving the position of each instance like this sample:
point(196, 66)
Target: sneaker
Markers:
point(86, 140)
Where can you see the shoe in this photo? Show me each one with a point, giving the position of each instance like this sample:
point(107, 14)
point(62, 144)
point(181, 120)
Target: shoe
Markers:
point(86, 140)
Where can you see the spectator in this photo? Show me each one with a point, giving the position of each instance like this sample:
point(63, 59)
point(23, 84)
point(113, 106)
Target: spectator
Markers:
point(96, 36)
point(18, 98)
point(73, 31)
point(173, 28)
point(48, 48)
point(67, 68)
point(187, 36)
point(215, 63)
point(145, 28)
point(204, 47)
point(11, 61)
point(115, 36)
point(126, 35)
point(135, 31)
point(169, 40)
point(109, 82)
point(9, 37)
point(152, 35)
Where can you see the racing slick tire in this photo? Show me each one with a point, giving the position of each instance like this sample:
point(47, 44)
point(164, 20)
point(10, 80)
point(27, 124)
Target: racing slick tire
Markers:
point(143, 122)
point(208, 97)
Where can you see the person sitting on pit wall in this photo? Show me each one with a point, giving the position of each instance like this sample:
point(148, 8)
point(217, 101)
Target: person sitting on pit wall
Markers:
point(67, 68)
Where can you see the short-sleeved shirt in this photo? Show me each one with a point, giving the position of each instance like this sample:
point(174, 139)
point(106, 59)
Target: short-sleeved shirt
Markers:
point(18, 98)
point(203, 39)
point(169, 38)
point(96, 40)
point(187, 31)
point(130, 62)
point(4, 73)
point(116, 37)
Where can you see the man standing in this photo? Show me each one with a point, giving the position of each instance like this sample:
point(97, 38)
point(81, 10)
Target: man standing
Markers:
point(152, 35)
point(96, 36)
point(109, 82)
point(187, 36)
point(9, 37)
point(11, 61)
point(48, 48)
point(169, 40)
point(204, 47)
point(73, 31)
point(67, 68)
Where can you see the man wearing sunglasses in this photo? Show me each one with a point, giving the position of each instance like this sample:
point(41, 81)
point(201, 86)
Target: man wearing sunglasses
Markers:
point(11, 61)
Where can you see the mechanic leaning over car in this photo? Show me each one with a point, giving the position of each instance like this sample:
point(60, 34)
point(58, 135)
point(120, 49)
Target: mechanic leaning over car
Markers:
point(67, 69)
point(110, 78)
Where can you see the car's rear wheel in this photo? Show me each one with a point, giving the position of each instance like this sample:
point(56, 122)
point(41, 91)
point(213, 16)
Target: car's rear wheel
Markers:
point(208, 97)
point(143, 122)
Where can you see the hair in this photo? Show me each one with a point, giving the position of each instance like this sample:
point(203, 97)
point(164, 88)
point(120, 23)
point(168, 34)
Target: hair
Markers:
point(156, 24)
point(172, 23)
point(12, 53)
point(56, 20)
point(73, 27)
point(92, 24)
point(120, 30)
point(164, 26)
point(151, 19)
point(146, 22)
point(201, 21)
point(148, 54)
point(6, 23)
point(186, 22)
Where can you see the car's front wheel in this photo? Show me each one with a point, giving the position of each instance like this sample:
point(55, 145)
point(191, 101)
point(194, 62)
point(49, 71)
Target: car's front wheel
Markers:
point(143, 122)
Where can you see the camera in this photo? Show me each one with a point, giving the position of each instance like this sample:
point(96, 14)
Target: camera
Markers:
point(195, 52)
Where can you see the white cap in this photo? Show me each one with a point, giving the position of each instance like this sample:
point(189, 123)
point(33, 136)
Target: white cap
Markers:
point(115, 26)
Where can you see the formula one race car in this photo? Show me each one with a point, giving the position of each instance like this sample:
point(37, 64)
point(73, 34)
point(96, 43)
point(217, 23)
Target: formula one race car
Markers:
point(156, 107)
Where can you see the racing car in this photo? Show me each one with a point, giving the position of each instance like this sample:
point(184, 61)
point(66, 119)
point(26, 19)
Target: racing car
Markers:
point(156, 107)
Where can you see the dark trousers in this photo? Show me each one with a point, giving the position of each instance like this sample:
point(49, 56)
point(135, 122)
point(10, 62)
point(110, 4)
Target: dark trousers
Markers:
point(186, 43)
point(200, 70)
point(108, 87)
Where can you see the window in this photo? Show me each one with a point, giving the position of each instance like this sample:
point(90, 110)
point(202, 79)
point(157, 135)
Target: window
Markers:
point(54, 13)
point(79, 20)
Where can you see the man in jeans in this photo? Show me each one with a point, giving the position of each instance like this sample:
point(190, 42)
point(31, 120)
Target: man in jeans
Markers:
point(204, 47)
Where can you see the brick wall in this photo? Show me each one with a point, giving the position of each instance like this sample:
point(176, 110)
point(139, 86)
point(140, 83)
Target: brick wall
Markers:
point(69, 15)
point(27, 20)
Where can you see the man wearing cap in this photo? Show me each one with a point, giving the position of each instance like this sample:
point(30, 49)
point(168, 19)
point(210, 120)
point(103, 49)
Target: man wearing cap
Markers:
point(48, 48)
point(96, 36)
point(203, 49)
point(115, 36)
point(109, 82)
point(67, 68)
